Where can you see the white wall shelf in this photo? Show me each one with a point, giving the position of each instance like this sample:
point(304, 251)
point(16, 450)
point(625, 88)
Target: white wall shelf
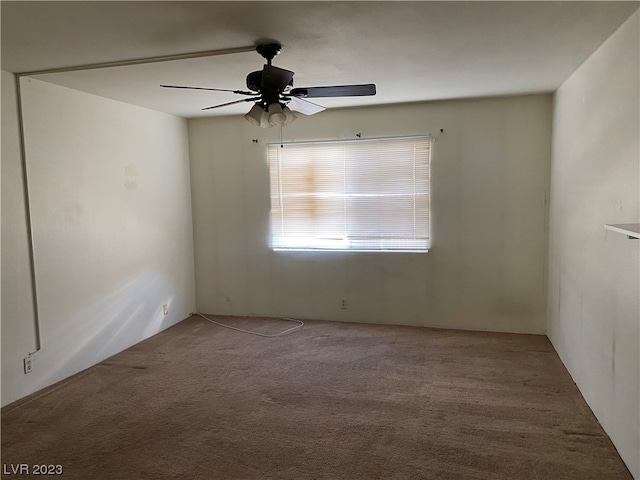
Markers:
point(631, 230)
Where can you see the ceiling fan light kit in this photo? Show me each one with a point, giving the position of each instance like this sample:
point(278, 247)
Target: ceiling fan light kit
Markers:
point(257, 116)
point(275, 98)
point(275, 115)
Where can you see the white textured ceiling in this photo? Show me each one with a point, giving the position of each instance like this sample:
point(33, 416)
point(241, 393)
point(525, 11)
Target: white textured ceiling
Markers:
point(412, 51)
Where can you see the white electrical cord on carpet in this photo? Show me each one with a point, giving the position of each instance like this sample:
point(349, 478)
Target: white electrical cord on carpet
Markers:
point(256, 333)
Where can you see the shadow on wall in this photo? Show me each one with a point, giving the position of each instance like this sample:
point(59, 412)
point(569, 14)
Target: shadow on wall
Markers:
point(119, 320)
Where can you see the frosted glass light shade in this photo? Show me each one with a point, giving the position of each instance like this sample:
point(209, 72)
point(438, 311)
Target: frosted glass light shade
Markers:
point(289, 114)
point(276, 114)
point(256, 116)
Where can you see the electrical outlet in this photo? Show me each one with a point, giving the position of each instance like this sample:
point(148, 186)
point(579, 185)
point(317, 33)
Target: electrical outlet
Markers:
point(343, 304)
point(165, 309)
point(28, 364)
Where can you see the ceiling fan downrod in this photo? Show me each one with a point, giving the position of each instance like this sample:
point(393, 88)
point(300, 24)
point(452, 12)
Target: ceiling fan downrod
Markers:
point(269, 50)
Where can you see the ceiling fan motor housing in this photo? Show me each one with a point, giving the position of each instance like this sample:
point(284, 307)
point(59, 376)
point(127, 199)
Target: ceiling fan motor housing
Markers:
point(269, 95)
point(254, 81)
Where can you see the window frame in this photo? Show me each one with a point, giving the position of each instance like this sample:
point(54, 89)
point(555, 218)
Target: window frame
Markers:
point(428, 138)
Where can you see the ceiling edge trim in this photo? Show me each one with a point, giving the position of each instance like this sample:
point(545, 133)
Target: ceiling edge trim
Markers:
point(140, 61)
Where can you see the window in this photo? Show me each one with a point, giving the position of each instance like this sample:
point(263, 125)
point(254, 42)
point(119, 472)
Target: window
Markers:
point(355, 195)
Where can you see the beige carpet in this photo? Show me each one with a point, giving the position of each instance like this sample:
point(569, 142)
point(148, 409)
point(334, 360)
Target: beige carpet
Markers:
point(329, 401)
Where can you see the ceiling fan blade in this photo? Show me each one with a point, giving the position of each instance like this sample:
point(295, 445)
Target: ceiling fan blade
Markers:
point(304, 106)
point(239, 92)
point(335, 91)
point(232, 103)
point(276, 78)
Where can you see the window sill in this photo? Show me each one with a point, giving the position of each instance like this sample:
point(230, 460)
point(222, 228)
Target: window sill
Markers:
point(332, 250)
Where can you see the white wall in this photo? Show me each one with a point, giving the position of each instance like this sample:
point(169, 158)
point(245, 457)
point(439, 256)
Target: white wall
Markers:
point(486, 269)
point(594, 274)
point(17, 301)
point(110, 204)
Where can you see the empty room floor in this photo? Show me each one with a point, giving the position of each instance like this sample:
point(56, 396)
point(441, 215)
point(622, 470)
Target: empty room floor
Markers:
point(328, 401)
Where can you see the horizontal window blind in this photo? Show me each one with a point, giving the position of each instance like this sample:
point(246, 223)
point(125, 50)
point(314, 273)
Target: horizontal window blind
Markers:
point(368, 194)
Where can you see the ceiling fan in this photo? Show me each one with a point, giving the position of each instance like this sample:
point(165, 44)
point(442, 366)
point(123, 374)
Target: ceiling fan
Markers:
point(275, 99)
